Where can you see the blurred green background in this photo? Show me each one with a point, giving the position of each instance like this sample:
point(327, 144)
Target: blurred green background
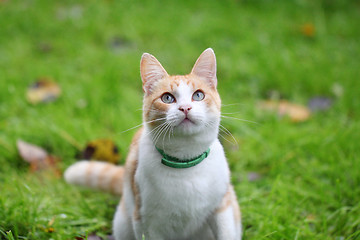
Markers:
point(293, 180)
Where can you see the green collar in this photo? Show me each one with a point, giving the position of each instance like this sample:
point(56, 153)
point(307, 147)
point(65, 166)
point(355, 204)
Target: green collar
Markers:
point(178, 163)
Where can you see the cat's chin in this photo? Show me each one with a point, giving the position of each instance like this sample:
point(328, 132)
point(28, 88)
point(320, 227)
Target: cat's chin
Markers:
point(186, 127)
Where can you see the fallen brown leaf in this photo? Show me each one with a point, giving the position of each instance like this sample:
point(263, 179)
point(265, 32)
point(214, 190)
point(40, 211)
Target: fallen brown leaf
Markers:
point(296, 112)
point(31, 153)
point(43, 90)
point(38, 158)
point(101, 149)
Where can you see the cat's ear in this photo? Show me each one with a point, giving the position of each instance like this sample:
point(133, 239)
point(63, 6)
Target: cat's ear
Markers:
point(151, 71)
point(205, 67)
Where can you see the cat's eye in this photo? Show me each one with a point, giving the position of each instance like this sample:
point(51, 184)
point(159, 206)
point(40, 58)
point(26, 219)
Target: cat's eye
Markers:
point(198, 95)
point(167, 98)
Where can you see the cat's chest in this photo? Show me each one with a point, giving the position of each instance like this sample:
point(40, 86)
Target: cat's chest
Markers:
point(183, 185)
point(181, 196)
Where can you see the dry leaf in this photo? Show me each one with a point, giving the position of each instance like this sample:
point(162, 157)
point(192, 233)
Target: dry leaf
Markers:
point(51, 222)
point(43, 90)
point(31, 153)
point(308, 29)
point(103, 150)
point(38, 158)
point(296, 112)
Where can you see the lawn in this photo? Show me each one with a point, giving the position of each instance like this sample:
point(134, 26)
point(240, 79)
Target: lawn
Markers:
point(294, 180)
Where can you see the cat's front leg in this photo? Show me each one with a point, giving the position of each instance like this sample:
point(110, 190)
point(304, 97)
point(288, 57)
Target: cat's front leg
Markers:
point(138, 230)
point(226, 220)
point(122, 228)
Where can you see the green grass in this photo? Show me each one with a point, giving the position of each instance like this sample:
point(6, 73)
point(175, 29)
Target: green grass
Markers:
point(310, 175)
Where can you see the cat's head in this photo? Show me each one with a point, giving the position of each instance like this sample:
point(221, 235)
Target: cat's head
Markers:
point(181, 104)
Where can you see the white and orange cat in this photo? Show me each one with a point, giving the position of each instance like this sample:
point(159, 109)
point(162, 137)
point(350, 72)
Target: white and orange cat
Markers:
point(176, 181)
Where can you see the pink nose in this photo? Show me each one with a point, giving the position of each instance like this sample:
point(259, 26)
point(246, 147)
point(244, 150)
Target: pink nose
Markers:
point(185, 109)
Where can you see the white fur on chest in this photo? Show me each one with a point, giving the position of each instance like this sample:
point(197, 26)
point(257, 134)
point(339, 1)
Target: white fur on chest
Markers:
point(177, 202)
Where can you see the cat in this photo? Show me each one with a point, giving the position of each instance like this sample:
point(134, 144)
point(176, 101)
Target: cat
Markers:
point(176, 181)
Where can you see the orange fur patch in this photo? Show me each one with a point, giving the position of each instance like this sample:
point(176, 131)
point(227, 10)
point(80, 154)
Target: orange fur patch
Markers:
point(103, 175)
point(116, 179)
point(131, 167)
point(226, 202)
point(230, 200)
point(89, 170)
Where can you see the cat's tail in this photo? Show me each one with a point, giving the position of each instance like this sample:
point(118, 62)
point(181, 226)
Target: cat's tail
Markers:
point(95, 174)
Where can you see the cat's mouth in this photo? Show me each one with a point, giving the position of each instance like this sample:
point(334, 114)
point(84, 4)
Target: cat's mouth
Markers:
point(187, 121)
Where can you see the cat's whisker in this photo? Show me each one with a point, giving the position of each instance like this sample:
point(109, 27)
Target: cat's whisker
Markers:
point(155, 129)
point(210, 124)
point(155, 120)
point(231, 112)
point(154, 136)
point(240, 119)
point(225, 138)
point(165, 132)
point(233, 104)
point(227, 132)
point(158, 132)
point(171, 131)
point(132, 128)
point(224, 130)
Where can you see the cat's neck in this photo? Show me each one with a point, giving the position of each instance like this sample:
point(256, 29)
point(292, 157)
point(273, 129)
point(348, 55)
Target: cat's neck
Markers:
point(184, 146)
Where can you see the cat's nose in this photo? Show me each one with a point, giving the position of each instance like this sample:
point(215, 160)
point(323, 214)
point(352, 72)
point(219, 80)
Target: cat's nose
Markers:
point(185, 109)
